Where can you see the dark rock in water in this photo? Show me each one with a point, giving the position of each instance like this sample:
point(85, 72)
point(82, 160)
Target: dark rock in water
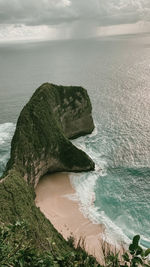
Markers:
point(40, 144)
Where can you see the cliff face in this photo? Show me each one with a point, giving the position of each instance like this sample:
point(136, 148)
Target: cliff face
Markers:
point(17, 205)
point(29, 238)
point(40, 144)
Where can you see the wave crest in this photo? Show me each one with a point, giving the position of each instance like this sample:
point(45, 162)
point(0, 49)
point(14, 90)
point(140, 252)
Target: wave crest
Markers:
point(6, 133)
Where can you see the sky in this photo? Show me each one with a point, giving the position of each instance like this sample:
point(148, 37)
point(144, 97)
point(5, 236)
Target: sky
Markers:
point(63, 19)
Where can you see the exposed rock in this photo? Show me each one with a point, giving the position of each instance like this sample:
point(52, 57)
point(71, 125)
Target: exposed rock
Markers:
point(40, 144)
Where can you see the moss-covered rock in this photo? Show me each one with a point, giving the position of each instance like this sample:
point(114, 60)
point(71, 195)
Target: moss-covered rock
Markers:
point(40, 144)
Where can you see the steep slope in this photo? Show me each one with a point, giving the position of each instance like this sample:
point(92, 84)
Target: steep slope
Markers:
point(29, 238)
point(40, 144)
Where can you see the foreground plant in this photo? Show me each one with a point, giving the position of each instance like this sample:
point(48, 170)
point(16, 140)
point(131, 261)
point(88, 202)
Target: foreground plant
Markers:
point(136, 256)
point(18, 250)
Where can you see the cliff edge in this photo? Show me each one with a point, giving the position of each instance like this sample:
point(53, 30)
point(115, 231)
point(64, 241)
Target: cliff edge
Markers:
point(40, 144)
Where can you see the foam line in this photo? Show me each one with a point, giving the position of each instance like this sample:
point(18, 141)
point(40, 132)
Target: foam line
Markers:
point(6, 134)
point(85, 185)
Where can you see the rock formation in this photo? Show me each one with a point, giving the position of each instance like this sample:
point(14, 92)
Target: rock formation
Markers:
point(40, 144)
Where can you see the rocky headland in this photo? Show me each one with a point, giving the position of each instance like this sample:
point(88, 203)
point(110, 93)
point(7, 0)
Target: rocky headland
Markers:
point(41, 145)
point(41, 141)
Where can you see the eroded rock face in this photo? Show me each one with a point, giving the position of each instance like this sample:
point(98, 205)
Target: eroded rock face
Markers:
point(40, 144)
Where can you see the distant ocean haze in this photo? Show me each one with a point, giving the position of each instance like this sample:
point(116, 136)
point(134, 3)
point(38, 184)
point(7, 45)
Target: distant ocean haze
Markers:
point(115, 71)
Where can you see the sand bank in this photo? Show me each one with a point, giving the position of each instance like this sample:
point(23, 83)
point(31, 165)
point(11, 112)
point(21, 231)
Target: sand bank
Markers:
point(64, 213)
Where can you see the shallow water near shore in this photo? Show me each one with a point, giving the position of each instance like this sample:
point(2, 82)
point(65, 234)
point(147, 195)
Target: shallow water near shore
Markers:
point(115, 71)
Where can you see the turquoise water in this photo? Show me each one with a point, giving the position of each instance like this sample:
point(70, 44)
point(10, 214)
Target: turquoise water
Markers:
point(115, 71)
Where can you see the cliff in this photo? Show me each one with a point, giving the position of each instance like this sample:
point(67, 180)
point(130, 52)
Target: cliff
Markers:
point(40, 144)
point(27, 238)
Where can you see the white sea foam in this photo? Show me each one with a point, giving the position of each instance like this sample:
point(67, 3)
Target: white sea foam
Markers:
point(85, 186)
point(6, 133)
point(95, 131)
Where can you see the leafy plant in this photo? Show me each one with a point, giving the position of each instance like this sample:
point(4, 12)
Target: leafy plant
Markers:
point(136, 256)
point(17, 250)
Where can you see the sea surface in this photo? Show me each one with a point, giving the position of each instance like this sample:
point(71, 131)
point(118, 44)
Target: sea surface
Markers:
point(116, 72)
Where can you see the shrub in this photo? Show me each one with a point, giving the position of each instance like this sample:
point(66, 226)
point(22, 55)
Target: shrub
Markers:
point(135, 256)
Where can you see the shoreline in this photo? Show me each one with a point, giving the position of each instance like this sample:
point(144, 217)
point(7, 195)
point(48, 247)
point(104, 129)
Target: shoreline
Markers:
point(64, 213)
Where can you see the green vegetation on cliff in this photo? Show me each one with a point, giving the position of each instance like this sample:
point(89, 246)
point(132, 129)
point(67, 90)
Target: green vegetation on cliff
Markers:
point(40, 144)
point(17, 204)
point(27, 238)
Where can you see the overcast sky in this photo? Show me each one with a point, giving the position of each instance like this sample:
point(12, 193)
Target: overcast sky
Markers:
point(54, 19)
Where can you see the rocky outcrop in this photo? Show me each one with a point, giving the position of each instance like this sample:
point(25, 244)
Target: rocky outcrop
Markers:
point(40, 144)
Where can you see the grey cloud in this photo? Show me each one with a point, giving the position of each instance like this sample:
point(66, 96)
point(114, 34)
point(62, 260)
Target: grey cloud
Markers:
point(49, 12)
point(111, 12)
point(114, 12)
point(33, 12)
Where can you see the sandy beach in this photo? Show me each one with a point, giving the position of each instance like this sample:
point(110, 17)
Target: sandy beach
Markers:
point(64, 213)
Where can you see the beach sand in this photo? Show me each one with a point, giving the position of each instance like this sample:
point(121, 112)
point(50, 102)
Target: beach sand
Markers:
point(65, 215)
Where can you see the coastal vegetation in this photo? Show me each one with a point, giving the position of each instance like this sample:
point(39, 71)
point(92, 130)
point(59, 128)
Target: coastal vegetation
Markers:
point(135, 256)
point(17, 249)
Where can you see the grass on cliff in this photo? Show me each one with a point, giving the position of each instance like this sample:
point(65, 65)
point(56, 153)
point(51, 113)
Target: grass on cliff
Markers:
point(17, 250)
point(17, 204)
point(27, 238)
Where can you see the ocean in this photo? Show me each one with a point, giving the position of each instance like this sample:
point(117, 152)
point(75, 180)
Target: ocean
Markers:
point(116, 72)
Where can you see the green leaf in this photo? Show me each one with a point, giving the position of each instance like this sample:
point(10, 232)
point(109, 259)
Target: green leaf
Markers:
point(139, 251)
point(135, 241)
point(126, 257)
point(147, 252)
point(132, 248)
point(137, 260)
